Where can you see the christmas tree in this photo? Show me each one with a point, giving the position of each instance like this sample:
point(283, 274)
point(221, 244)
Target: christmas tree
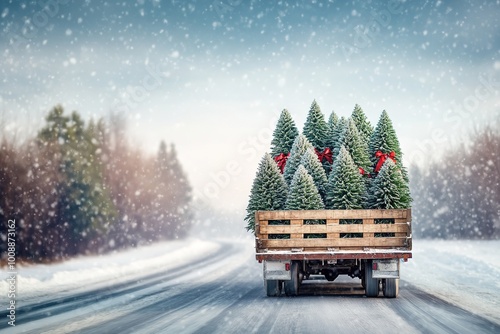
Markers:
point(345, 188)
point(384, 141)
point(362, 124)
point(341, 125)
point(299, 147)
point(315, 169)
point(352, 140)
point(333, 121)
point(269, 190)
point(283, 137)
point(316, 130)
point(389, 190)
point(303, 194)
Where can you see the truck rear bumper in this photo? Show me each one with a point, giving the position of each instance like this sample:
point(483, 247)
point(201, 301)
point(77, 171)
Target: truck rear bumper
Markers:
point(369, 254)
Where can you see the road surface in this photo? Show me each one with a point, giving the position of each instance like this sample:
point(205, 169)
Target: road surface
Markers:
point(224, 293)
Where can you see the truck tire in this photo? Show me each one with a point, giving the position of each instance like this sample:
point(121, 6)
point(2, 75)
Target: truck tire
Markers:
point(273, 288)
point(292, 286)
point(371, 284)
point(391, 287)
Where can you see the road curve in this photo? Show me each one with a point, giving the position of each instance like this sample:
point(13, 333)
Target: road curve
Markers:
point(224, 294)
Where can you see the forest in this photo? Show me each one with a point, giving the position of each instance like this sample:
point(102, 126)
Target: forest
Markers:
point(457, 196)
point(82, 188)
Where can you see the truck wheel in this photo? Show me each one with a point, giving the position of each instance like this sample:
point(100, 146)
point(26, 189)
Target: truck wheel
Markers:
point(292, 286)
point(391, 287)
point(371, 284)
point(273, 288)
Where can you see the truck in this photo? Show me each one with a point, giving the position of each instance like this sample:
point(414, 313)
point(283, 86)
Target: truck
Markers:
point(296, 245)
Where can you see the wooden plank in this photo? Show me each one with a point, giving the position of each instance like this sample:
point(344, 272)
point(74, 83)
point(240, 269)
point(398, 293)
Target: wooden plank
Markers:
point(332, 243)
point(333, 214)
point(335, 229)
point(296, 223)
point(369, 223)
point(331, 225)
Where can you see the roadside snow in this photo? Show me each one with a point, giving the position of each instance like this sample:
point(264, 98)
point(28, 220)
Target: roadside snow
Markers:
point(91, 272)
point(464, 273)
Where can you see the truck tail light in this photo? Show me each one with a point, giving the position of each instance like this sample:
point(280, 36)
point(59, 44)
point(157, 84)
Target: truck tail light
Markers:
point(287, 266)
point(374, 265)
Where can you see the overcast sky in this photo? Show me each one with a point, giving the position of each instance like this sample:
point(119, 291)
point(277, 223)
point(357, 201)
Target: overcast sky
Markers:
point(212, 76)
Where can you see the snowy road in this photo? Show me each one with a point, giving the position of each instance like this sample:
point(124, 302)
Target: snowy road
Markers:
point(221, 291)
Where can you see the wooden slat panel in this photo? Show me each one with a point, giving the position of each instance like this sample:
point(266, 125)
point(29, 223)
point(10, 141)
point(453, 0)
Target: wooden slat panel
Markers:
point(330, 243)
point(335, 229)
point(368, 223)
point(332, 214)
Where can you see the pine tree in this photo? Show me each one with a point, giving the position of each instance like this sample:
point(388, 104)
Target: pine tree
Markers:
point(352, 141)
point(385, 140)
point(269, 190)
point(337, 132)
point(345, 188)
point(333, 121)
point(299, 148)
point(303, 194)
point(315, 128)
point(389, 190)
point(362, 124)
point(284, 134)
point(315, 169)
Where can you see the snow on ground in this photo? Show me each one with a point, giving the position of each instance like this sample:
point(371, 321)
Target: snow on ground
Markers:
point(91, 272)
point(465, 273)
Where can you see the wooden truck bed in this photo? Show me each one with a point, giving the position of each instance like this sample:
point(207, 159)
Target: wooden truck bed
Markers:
point(333, 234)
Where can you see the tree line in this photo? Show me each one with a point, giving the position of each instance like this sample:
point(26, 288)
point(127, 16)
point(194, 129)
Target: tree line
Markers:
point(80, 187)
point(458, 196)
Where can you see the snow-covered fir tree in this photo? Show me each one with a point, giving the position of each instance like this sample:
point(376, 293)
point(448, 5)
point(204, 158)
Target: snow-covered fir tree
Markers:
point(303, 194)
point(284, 134)
point(384, 140)
point(316, 128)
point(333, 120)
point(341, 125)
point(389, 190)
point(345, 188)
point(299, 147)
point(362, 124)
point(315, 169)
point(269, 190)
point(352, 141)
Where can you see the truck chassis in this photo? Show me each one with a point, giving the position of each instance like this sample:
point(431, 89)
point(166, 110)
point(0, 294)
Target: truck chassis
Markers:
point(366, 244)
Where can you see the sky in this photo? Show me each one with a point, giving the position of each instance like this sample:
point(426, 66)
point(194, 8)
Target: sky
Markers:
point(212, 76)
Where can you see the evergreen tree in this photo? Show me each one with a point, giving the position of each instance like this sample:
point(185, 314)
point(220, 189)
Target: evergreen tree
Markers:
point(362, 124)
point(389, 190)
point(269, 190)
point(299, 148)
point(315, 128)
point(315, 169)
point(345, 188)
point(284, 134)
point(336, 133)
point(352, 141)
point(333, 121)
point(303, 194)
point(84, 206)
point(385, 140)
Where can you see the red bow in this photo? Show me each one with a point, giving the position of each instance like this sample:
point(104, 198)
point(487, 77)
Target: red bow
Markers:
point(382, 158)
point(326, 154)
point(361, 171)
point(281, 161)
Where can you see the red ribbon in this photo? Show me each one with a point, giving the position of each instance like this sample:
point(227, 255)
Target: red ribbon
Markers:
point(281, 161)
point(326, 154)
point(382, 157)
point(361, 171)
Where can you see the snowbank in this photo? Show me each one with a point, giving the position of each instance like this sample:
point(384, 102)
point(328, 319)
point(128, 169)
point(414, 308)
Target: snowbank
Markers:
point(464, 273)
point(91, 272)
